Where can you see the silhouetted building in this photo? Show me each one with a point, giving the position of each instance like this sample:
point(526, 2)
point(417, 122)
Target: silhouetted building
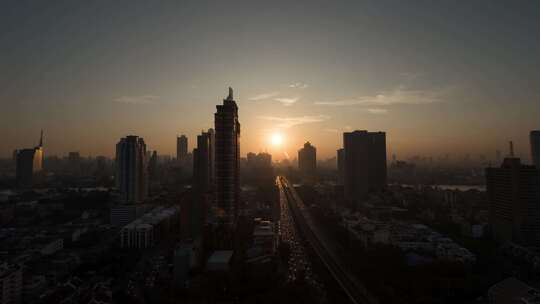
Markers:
point(514, 203)
point(212, 138)
point(341, 165)
point(365, 163)
point(259, 170)
point(227, 158)
point(202, 163)
point(11, 283)
point(307, 160)
point(132, 169)
point(74, 163)
point(29, 162)
point(512, 291)
point(152, 167)
point(181, 149)
point(535, 148)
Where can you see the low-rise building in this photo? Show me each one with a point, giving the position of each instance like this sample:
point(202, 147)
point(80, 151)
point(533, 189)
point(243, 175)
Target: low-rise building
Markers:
point(513, 291)
point(264, 236)
point(10, 283)
point(145, 231)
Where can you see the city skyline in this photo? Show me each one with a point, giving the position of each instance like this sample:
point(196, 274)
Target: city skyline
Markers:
point(434, 84)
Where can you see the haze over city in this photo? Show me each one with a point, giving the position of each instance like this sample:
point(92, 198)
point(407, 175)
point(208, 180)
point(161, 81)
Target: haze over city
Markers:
point(307, 152)
point(439, 78)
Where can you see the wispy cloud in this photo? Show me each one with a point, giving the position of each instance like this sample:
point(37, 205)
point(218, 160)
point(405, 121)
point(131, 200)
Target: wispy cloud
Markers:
point(377, 111)
point(298, 85)
point(143, 99)
point(264, 96)
point(400, 95)
point(287, 101)
point(288, 122)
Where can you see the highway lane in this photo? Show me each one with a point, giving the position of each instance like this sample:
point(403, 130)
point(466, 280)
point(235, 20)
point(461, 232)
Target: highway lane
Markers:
point(323, 246)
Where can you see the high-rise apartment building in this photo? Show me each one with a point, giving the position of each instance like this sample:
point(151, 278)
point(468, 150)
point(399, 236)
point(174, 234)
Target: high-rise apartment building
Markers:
point(535, 148)
point(258, 169)
point(514, 203)
point(181, 149)
point(202, 163)
point(29, 162)
point(365, 163)
point(132, 169)
point(341, 164)
point(227, 156)
point(212, 139)
point(307, 160)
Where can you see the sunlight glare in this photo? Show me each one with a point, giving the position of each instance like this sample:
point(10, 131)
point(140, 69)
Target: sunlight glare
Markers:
point(276, 139)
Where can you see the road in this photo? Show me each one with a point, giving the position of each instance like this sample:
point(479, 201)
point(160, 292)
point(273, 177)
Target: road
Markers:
point(323, 246)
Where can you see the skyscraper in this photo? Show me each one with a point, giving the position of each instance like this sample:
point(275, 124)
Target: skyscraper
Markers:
point(152, 167)
point(202, 163)
point(227, 156)
point(212, 139)
point(307, 160)
point(132, 169)
point(29, 162)
point(513, 193)
point(365, 163)
point(341, 164)
point(535, 148)
point(181, 149)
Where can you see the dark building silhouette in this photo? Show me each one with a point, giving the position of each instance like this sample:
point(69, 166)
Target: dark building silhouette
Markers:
point(132, 169)
point(202, 164)
point(259, 170)
point(341, 165)
point(212, 139)
point(181, 149)
point(513, 192)
point(307, 160)
point(227, 156)
point(74, 163)
point(535, 148)
point(29, 162)
point(152, 167)
point(365, 163)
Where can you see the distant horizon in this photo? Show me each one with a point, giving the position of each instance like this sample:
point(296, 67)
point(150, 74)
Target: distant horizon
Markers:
point(453, 156)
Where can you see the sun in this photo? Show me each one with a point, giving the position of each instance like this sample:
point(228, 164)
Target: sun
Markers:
point(276, 139)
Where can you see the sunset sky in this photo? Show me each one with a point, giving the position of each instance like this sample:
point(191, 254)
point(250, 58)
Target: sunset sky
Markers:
point(439, 77)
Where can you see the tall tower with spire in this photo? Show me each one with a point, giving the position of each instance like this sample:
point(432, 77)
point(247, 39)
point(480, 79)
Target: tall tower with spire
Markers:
point(227, 157)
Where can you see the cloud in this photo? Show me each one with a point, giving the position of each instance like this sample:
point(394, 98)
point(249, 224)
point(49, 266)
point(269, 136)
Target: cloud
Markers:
point(264, 96)
point(287, 101)
point(288, 122)
point(143, 99)
point(377, 111)
point(298, 85)
point(400, 95)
